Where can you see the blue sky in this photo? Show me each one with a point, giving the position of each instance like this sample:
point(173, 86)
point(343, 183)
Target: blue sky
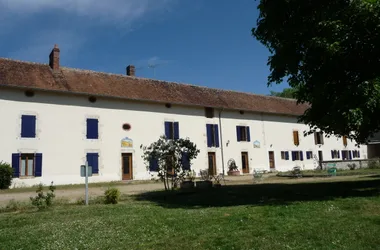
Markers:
point(200, 42)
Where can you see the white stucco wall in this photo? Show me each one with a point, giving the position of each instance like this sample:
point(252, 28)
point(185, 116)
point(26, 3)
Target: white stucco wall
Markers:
point(61, 135)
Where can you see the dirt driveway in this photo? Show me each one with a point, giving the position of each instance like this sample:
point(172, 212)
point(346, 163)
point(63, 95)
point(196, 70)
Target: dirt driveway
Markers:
point(75, 193)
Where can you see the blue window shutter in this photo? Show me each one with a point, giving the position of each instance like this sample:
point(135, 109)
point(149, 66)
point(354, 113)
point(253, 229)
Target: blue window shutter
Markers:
point(28, 126)
point(307, 155)
point(286, 155)
point(93, 161)
point(16, 165)
point(153, 165)
point(248, 134)
point(332, 154)
point(358, 153)
point(216, 135)
point(238, 135)
point(209, 137)
point(167, 129)
point(301, 155)
point(293, 156)
point(185, 161)
point(176, 130)
point(92, 128)
point(350, 155)
point(38, 169)
point(338, 153)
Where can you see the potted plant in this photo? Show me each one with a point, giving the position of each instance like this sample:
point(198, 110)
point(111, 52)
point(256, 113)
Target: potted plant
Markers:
point(232, 168)
point(205, 180)
point(188, 181)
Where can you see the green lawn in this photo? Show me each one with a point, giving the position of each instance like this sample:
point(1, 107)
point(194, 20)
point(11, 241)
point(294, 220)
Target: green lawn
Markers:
point(331, 215)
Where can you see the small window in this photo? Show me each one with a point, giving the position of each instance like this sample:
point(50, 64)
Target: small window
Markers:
point(172, 130)
point(297, 155)
point(296, 138)
point(28, 126)
point(243, 133)
point(309, 155)
point(346, 155)
point(212, 135)
point(285, 155)
point(335, 154)
point(92, 99)
point(126, 126)
point(92, 128)
point(209, 112)
point(29, 93)
point(27, 165)
point(318, 138)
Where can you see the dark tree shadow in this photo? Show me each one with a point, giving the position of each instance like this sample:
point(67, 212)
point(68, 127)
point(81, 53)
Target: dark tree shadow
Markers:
point(261, 194)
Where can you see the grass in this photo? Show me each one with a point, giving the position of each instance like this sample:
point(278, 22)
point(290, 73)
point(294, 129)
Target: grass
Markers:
point(329, 215)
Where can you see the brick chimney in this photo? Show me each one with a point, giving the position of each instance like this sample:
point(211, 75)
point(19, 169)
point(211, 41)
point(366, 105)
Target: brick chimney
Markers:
point(54, 58)
point(131, 70)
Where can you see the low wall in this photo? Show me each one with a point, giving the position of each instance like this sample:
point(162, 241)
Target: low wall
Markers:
point(364, 163)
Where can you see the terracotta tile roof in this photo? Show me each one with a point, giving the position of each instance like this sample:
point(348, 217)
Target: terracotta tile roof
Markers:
point(40, 76)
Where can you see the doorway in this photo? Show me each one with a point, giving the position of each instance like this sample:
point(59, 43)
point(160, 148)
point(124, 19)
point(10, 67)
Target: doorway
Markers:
point(244, 162)
point(211, 163)
point(126, 165)
point(272, 164)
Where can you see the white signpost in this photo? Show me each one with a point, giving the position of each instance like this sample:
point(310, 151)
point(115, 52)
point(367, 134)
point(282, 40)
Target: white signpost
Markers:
point(86, 171)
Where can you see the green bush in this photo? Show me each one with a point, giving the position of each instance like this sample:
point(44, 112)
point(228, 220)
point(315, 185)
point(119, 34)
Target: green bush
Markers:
point(112, 196)
point(373, 164)
point(42, 200)
point(6, 175)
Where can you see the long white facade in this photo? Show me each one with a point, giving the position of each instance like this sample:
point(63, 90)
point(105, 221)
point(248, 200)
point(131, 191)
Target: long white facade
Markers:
point(61, 137)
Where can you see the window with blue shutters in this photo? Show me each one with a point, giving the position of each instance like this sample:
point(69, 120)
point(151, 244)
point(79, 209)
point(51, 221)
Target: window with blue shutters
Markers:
point(335, 154)
point(185, 160)
point(297, 156)
point(27, 165)
point(93, 161)
point(153, 165)
point(92, 128)
point(28, 126)
point(285, 155)
point(243, 133)
point(212, 131)
point(172, 130)
point(309, 155)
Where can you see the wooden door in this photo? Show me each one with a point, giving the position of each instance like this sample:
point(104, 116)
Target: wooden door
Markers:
point(126, 163)
point(211, 163)
point(244, 162)
point(272, 164)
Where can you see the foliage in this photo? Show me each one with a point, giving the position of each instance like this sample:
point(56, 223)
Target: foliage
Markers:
point(6, 175)
point(190, 175)
point(112, 196)
point(373, 164)
point(168, 154)
point(42, 200)
point(232, 167)
point(285, 93)
point(329, 51)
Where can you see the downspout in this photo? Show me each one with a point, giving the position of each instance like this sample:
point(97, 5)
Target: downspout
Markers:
point(221, 138)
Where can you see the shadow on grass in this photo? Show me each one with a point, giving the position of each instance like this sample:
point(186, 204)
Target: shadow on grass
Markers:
point(261, 194)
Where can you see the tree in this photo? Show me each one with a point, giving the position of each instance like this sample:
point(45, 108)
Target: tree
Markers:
point(329, 50)
point(286, 93)
point(171, 159)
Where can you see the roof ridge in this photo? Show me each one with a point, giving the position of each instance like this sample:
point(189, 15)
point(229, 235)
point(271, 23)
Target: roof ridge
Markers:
point(22, 61)
point(179, 83)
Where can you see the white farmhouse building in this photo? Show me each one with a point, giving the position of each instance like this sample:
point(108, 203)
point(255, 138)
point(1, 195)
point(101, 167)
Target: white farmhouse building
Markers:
point(55, 118)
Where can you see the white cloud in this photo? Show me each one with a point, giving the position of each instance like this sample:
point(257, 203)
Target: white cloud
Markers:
point(105, 10)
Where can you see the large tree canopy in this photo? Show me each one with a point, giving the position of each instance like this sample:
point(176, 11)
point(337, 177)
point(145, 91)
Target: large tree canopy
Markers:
point(329, 50)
